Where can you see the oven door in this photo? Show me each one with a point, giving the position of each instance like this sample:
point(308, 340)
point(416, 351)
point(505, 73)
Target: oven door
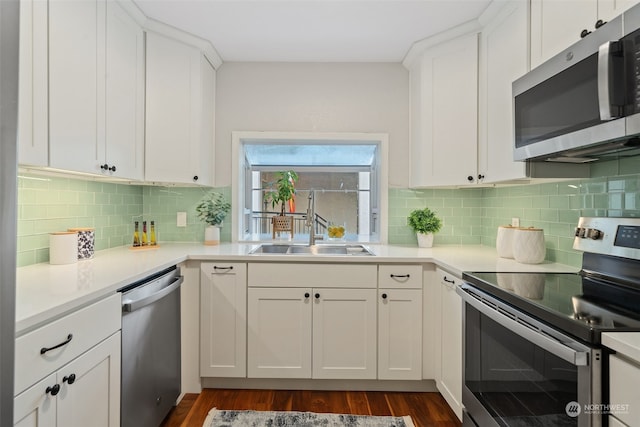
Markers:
point(519, 372)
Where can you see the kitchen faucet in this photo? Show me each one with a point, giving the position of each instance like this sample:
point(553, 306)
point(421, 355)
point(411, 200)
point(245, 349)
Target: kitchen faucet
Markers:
point(310, 221)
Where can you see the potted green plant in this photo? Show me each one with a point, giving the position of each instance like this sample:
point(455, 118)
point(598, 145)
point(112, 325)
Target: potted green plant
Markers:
point(212, 210)
point(424, 222)
point(282, 189)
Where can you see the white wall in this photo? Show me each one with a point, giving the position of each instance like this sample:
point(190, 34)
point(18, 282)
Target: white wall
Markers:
point(314, 97)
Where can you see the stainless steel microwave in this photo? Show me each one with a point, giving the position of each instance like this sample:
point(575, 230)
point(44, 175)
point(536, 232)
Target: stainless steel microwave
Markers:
point(584, 103)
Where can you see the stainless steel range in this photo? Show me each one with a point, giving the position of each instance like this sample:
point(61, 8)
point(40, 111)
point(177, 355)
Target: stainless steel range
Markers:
point(532, 341)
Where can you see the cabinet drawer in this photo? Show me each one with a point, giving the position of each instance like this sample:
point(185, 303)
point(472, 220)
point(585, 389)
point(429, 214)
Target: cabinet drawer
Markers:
point(624, 377)
point(86, 327)
point(447, 279)
point(400, 276)
point(281, 275)
point(220, 268)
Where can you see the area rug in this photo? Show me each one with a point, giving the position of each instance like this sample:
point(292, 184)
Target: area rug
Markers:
point(229, 418)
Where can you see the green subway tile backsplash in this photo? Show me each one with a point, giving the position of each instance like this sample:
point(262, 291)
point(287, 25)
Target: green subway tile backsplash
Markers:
point(470, 215)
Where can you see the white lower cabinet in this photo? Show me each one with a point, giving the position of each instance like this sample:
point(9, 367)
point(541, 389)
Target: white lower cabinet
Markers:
point(624, 375)
point(312, 333)
point(67, 372)
point(85, 392)
point(449, 382)
point(223, 319)
point(400, 322)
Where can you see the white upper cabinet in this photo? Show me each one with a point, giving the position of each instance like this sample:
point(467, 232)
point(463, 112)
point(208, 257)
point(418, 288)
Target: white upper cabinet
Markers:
point(179, 113)
point(557, 24)
point(33, 127)
point(504, 57)
point(444, 114)
point(96, 89)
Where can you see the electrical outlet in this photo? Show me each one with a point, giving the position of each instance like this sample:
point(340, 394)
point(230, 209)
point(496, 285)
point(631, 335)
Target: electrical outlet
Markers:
point(181, 220)
point(515, 222)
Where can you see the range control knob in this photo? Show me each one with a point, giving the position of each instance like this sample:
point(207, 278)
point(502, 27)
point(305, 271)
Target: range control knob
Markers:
point(594, 234)
point(580, 232)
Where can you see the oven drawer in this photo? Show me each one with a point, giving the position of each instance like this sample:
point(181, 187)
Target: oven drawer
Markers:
point(624, 377)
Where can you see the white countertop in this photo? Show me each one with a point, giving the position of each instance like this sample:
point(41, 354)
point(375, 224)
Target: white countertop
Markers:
point(45, 292)
point(627, 343)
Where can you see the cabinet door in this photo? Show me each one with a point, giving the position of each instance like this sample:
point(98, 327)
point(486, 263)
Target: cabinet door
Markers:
point(223, 320)
point(444, 114)
point(504, 56)
point(124, 95)
point(33, 116)
point(205, 143)
point(450, 381)
point(279, 332)
point(400, 334)
point(609, 9)
point(557, 24)
point(35, 407)
point(90, 387)
point(76, 54)
point(172, 111)
point(344, 334)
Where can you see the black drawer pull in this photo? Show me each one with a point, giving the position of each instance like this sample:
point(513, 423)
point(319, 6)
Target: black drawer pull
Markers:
point(447, 280)
point(400, 276)
point(384, 296)
point(43, 350)
point(317, 296)
point(223, 268)
point(306, 295)
point(53, 390)
point(70, 379)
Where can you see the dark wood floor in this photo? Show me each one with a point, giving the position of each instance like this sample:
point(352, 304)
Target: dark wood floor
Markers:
point(426, 409)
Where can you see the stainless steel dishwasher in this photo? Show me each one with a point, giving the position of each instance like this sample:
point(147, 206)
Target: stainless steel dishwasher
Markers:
point(150, 348)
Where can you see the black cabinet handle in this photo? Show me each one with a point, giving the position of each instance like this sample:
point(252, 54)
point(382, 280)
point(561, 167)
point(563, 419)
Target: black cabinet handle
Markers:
point(70, 379)
point(317, 296)
point(43, 350)
point(104, 167)
point(584, 33)
point(215, 267)
point(306, 295)
point(195, 177)
point(112, 168)
point(480, 177)
point(53, 390)
point(470, 178)
point(384, 296)
point(600, 23)
point(447, 280)
point(400, 276)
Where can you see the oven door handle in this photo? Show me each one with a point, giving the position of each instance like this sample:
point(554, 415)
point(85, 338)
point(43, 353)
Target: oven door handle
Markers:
point(557, 348)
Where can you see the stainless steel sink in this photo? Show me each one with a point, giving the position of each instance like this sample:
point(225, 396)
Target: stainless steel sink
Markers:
point(345, 250)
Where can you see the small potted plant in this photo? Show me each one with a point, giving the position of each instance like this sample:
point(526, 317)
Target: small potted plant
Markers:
point(212, 210)
point(282, 191)
point(424, 222)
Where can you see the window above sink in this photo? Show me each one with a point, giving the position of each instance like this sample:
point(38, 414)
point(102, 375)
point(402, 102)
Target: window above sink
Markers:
point(347, 173)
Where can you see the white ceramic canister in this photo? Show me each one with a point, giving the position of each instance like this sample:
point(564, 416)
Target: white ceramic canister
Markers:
point(504, 241)
point(63, 247)
point(86, 242)
point(528, 245)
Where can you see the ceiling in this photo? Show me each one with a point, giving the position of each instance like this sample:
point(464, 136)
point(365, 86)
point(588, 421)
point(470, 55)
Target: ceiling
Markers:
point(313, 30)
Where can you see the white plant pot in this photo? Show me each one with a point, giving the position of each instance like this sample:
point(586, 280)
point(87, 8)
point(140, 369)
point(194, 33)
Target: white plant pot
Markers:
point(425, 240)
point(211, 235)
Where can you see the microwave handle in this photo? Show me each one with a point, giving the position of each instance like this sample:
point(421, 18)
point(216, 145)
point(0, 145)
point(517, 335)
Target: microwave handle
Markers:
point(557, 348)
point(608, 111)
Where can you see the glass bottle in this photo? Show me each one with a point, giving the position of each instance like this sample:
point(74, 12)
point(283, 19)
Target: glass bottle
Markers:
point(136, 235)
point(145, 241)
point(153, 234)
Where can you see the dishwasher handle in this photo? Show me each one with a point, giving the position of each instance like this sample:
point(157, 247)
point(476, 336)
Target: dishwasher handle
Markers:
point(130, 306)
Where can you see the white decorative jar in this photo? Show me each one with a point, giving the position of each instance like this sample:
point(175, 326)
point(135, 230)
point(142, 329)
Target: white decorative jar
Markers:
point(63, 248)
point(504, 241)
point(211, 235)
point(528, 245)
point(425, 240)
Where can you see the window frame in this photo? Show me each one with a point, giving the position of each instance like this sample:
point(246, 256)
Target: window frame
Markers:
point(239, 178)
